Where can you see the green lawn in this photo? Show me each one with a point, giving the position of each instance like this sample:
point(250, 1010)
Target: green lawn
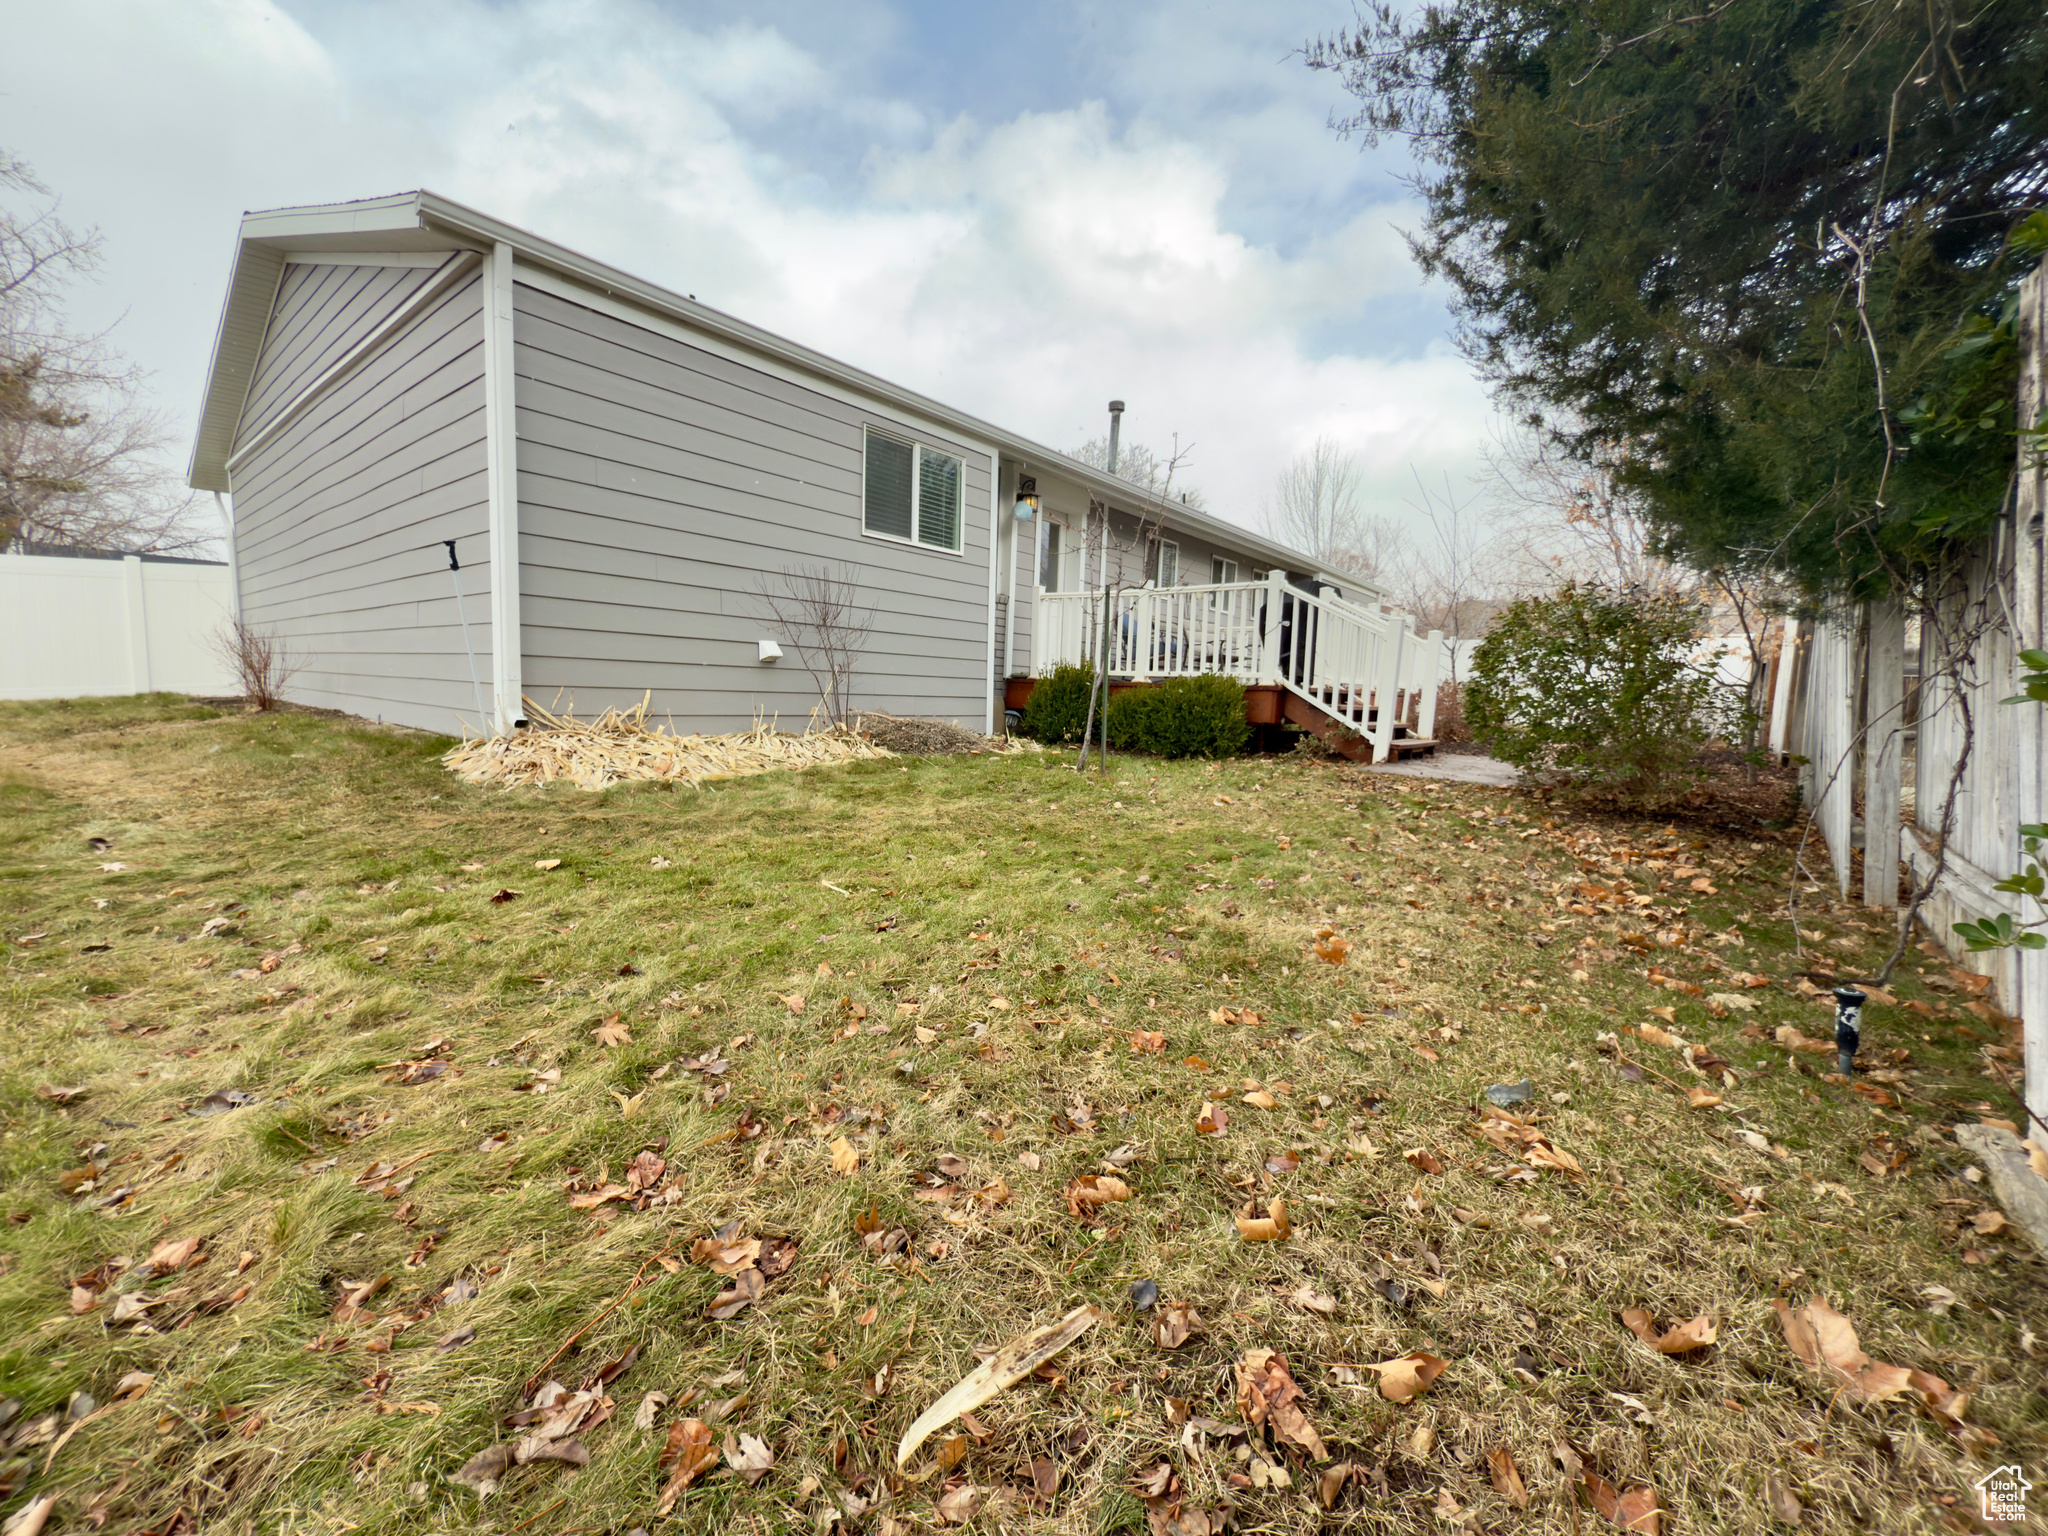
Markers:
point(468, 1114)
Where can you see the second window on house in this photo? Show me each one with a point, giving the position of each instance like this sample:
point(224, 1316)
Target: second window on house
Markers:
point(911, 493)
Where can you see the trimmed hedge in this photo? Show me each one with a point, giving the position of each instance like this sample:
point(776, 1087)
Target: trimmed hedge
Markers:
point(1181, 717)
point(1058, 707)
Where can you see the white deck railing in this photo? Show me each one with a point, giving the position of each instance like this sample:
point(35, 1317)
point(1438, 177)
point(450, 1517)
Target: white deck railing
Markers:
point(1340, 657)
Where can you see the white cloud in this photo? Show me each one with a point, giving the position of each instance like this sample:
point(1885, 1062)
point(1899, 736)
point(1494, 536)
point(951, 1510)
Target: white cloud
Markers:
point(1025, 269)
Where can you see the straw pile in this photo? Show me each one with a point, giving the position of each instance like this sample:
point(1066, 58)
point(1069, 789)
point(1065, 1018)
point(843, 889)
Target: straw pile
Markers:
point(619, 745)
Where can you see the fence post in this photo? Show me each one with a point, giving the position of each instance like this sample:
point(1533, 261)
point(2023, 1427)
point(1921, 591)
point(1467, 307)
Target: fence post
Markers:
point(138, 624)
point(1143, 617)
point(1267, 627)
point(1387, 686)
point(2030, 507)
point(1883, 757)
point(1432, 675)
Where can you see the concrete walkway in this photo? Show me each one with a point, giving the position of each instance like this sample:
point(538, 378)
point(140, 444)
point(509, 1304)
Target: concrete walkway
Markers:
point(1458, 767)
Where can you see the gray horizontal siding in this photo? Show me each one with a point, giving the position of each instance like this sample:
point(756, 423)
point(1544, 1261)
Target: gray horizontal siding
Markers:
point(320, 313)
point(339, 518)
point(661, 484)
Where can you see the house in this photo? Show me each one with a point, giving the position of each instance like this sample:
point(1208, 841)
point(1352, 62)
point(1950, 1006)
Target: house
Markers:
point(620, 473)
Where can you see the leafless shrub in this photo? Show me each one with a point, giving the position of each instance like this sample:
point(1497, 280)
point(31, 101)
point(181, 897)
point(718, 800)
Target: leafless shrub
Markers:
point(1450, 726)
point(818, 610)
point(261, 663)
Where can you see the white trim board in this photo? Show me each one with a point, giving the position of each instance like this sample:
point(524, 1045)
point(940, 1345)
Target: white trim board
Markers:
point(501, 459)
point(365, 258)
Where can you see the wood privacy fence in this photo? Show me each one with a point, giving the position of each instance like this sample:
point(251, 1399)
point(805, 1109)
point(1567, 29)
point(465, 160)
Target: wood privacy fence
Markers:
point(1899, 720)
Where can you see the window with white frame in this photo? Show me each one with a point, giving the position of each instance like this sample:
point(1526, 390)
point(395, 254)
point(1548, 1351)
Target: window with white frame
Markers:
point(1169, 563)
point(911, 492)
point(1049, 555)
point(1222, 570)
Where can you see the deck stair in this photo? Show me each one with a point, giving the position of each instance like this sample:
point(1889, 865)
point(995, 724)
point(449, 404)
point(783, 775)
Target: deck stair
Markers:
point(1335, 661)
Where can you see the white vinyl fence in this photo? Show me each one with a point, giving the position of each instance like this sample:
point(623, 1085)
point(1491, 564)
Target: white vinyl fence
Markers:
point(86, 627)
point(1840, 703)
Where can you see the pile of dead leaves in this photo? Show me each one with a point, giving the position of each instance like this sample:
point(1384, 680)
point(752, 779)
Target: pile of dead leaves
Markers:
point(553, 1422)
point(642, 1190)
point(746, 1263)
point(1518, 1135)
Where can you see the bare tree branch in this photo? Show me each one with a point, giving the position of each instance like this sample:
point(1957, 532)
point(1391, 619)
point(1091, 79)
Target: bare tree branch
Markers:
point(818, 610)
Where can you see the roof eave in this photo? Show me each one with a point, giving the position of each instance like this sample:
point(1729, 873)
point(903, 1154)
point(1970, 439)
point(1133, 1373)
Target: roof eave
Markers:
point(276, 231)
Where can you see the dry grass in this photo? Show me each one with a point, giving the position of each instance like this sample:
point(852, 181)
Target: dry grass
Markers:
point(620, 747)
point(1036, 922)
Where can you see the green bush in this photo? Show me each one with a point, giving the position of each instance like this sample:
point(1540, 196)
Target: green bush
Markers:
point(1058, 708)
point(1131, 713)
point(1596, 685)
point(1181, 717)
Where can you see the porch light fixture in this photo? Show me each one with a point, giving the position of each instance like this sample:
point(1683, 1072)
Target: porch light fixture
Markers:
point(1027, 498)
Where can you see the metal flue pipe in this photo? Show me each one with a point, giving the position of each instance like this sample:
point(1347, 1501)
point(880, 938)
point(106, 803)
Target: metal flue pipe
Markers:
point(1116, 429)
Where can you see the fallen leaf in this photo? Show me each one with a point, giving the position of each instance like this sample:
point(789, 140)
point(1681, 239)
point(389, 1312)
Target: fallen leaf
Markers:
point(1258, 1098)
point(1826, 1340)
point(844, 1159)
point(1683, 1339)
point(1330, 1484)
point(688, 1454)
point(1403, 1378)
point(1781, 1501)
point(956, 1506)
point(60, 1095)
point(613, 1032)
point(1091, 1191)
point(547, 863)
point(1176, 1323)
point(747, 1286)
point(1423, 1158)
point(1147, 1042)
point(1009, 1365)
point(1273, 1227)
point(1212, 1121)
point(628, 1107)
point(1269, 1398)
point(1313, 1300)
point(1333, 949)
point(173, 1254)
point(1029, 1160)
point(1988, 1222)
point(1283, 1162)
point(793, 1001)
point(508, 894)
point(750, 1457)
point(1634, 1511)
point(1507, 1477)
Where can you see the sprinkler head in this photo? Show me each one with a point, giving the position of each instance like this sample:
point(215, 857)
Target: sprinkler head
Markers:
point(1848, 1017)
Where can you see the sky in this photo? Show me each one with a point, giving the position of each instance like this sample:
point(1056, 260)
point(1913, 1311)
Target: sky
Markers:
point(1024, 210)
